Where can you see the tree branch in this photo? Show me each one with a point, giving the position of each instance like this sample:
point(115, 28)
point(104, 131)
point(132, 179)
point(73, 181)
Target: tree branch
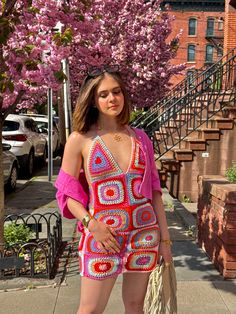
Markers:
point(8, 8)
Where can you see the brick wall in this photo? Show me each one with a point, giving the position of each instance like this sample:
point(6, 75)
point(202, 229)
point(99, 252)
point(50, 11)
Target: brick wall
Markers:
point(181, 22)
point(217, 222)
point(230, 27)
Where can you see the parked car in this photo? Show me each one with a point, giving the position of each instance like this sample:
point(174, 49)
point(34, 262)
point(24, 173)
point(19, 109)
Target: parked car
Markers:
point(10, 167)
point(27, 143)
point(42, 124)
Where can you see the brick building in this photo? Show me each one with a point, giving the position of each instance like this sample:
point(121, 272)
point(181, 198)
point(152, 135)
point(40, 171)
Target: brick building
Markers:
point(230, 25)
point(202, 39)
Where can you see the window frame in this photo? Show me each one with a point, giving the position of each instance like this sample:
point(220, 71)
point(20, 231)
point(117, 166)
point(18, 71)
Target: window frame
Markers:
point(220, 24)
point(213, 28)
point(209, 61)
point(195, 20)
point(188, 59)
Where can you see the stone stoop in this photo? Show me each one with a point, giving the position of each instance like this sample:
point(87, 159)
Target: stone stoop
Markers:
point(198, 140)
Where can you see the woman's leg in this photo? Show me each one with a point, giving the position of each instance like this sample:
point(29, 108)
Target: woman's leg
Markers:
point(94, 295)
point(133, 292)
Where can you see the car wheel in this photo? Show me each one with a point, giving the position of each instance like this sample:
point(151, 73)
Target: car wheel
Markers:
point(30, 164)
point(11, 184)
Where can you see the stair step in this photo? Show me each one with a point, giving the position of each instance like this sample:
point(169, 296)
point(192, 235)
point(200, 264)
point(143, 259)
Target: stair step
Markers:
point(161, 135)
point(209, 134)
point(219, 122)
point(183, 154)
point(226, 101)
point(229, 112)
point(170, 165)
point(192, 143)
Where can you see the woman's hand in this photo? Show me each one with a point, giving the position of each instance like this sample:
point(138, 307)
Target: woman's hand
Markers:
point(104, 236)
point(165, 251)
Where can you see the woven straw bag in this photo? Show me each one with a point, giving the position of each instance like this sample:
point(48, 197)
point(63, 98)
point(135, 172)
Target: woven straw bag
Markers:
point(161, 291)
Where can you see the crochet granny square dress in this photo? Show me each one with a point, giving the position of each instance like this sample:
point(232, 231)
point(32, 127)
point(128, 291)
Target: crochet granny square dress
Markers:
point(116, 201)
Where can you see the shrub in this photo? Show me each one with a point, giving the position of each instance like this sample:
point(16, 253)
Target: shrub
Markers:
point(134, 114)
point(230, 173)
point(16, 234)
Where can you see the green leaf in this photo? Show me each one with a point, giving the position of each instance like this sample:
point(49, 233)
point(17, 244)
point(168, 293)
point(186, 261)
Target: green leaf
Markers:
point(3, 87)
point(11, 86)
point(60, 76)
point(29, 48)
point(67, 36)
point(81, 17)
point(33, 10)
point(5, 29)
point(31, 65)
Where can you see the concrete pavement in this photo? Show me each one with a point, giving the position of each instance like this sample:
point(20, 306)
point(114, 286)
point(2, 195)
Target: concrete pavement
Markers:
point(201, 289)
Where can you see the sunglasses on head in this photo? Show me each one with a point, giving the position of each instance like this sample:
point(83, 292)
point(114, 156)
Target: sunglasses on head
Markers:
point(96, 71)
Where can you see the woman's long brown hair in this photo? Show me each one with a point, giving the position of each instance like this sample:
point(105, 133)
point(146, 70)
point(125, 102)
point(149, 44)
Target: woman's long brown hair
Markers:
point(86, 114)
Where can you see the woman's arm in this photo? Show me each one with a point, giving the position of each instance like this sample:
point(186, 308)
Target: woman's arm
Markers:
point(71, 164)
point(165, 245)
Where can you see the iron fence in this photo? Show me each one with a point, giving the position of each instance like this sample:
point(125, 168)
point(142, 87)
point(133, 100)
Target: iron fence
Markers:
point(38, 256)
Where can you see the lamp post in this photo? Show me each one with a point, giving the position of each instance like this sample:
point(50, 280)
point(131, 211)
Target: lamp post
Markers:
point(50, 131)
point(67, 103)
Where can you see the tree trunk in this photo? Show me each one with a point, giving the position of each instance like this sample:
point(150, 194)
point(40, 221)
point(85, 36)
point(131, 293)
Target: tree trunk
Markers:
point(2, 196)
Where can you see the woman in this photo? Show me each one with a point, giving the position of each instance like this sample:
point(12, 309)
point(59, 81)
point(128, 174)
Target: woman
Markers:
point(124, 224)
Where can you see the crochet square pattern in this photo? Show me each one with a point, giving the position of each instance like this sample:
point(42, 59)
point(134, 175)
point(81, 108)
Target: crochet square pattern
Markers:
point(115, 218)
point(110, 192)
point(143, 215)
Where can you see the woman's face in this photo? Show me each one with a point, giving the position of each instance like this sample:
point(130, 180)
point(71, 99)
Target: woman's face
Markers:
point(109, 98)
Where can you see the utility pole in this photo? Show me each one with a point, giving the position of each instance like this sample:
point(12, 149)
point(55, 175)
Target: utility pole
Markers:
point(50, 130)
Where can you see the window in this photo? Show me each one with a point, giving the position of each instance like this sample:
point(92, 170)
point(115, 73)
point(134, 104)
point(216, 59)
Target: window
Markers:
point(10, 125)
point(209, 53)
point(190, 78)
point(220, 24)
point(210, 27)
point(191, 53)
point(192, 27)
point(219, 52)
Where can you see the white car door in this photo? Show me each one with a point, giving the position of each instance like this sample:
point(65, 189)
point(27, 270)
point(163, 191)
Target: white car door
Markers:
point(37, 140)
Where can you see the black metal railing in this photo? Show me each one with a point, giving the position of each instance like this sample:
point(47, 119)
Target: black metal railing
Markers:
point(177, 92)
point(190, 107)
point(179, 117)
point(38, 256)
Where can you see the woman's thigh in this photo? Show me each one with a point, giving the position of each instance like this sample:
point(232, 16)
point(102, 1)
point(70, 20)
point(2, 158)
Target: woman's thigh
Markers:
point(94, 294)
point(134, 288)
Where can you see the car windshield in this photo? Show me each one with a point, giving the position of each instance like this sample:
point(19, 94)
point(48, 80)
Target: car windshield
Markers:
point(42, 125)
point(10, 125)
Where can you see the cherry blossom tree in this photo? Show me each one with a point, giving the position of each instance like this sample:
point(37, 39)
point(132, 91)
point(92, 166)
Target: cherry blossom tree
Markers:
point(134, 35)
point(130, 33)
point(31, 51)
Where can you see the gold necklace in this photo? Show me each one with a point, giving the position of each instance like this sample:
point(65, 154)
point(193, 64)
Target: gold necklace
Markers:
point(117, 137)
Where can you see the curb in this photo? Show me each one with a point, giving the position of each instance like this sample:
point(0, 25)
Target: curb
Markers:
point(188, 220)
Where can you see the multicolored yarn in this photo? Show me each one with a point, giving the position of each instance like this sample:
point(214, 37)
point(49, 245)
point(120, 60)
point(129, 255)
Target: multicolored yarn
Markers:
point(116, 201)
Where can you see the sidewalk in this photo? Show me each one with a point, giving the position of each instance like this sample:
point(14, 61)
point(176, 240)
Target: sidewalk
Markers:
point(200, 287)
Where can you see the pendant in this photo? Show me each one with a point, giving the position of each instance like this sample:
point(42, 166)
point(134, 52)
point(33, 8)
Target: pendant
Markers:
point(117, 138)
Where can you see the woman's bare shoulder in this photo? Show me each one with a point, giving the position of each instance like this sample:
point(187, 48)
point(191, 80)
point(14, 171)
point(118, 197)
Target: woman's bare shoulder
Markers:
point(78, 141)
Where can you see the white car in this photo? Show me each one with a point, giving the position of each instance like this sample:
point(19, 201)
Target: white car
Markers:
point(10, 168)
point(42, 124)
point(26, 141)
